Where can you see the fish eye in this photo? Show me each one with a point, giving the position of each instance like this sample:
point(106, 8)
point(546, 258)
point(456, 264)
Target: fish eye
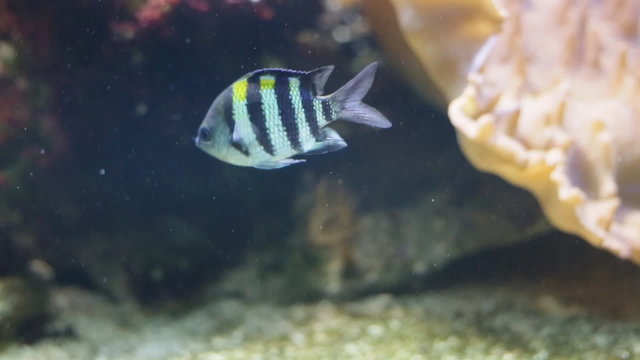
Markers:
point(204, 134)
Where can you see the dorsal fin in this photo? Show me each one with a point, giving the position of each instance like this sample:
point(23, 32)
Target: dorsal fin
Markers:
point(319, 77)
point(277, 72)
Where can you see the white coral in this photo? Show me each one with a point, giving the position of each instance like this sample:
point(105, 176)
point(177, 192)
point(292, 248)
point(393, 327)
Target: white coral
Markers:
point(555, 108)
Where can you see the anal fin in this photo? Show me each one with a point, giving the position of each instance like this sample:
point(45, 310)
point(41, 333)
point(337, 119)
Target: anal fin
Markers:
point(277, 164)
point(331, 141)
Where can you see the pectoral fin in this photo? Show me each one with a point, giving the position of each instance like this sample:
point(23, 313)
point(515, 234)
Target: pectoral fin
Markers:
point(331, 141)
point(238, 142)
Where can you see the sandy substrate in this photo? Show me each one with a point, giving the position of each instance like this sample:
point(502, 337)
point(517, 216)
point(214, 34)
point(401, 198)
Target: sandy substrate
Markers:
point(465, 322)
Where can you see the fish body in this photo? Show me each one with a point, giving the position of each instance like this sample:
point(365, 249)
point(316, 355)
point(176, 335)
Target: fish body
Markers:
point(268, 116)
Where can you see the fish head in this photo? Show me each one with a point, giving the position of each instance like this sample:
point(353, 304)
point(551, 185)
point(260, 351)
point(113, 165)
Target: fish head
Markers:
point(214, 136)
point(213, 132)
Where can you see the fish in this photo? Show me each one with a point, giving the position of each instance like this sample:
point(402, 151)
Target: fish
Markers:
point(269, 116)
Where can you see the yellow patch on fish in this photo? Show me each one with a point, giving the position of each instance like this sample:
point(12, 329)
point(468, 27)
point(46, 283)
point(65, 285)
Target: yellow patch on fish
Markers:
point(267, 83)
point(240, 91)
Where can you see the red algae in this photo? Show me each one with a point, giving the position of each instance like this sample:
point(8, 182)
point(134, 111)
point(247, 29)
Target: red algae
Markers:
point(153, 11)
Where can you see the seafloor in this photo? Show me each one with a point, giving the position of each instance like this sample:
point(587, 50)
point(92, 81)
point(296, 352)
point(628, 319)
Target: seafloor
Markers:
point(497, 311)
point(468, 322)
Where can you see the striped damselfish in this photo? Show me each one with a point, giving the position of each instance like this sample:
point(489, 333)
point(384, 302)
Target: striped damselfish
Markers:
point(268, 116)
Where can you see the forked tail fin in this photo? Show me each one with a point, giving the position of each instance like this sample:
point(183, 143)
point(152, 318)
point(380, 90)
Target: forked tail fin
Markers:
point(348, 100)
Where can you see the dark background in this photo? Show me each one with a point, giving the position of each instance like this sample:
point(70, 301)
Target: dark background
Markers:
point(125, 202)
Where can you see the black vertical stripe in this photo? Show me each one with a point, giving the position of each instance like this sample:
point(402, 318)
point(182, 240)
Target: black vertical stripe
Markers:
point(287, 112)
point(256, 115)
point(227, 109)
point(227, 114)
point(310, 113)
point(327, 110)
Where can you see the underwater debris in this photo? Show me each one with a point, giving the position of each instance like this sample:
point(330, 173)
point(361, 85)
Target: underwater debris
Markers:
point(360, 247)
point(332, 225)
point(554, 108)
point(22, 302)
